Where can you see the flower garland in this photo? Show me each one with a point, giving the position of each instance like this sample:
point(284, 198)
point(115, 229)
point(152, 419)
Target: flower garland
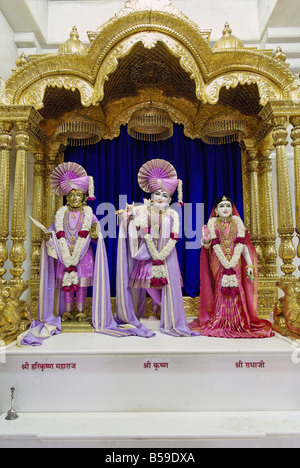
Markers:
point(158, 265)
point(70, 279)
point(229, 282)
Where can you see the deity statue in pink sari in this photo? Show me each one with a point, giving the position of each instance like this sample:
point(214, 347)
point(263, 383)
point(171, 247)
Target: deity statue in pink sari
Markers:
point(228, 278)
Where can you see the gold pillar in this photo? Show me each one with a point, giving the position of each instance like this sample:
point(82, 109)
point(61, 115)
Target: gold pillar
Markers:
point(295, 133)
point(269, 267)
point(285, 215)
point(5, 147)
point(17, 253)
point(60, 160)
point(51, 199)
point(246, 185)
point(255, 227)
point(268, 292)
point(37, 236)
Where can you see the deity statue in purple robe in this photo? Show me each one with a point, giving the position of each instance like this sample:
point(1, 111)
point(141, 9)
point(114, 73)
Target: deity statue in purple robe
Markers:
point(147, 258)
point(68, 265)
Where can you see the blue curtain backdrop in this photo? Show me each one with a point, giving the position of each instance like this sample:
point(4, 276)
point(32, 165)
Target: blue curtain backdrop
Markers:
point(207, 172)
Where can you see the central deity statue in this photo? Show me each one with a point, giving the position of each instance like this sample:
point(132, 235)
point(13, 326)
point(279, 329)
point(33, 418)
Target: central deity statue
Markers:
point(147, 258)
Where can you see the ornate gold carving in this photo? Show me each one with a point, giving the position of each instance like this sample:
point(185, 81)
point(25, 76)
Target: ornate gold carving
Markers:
point(246, 186)
point(149, 40)
point(295, 134)
point(228, 41)
point(177, 116)
point(267, 89)
point(5, 146)
point(15, 315)
point(267, 297)
point(50, 197)
point(285, 216)
point(255, 227)
point(22, 60)
point(279, 55)
point(73, 45)
point(287, 309)
point(34, 95)
point(17, 253)
point(36, 236)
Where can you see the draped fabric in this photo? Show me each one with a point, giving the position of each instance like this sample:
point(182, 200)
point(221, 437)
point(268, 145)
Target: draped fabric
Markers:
point(229, 315)
point(207, 172)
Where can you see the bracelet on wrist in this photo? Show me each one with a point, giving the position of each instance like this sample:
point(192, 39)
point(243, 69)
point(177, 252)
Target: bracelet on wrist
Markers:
point(204, 244)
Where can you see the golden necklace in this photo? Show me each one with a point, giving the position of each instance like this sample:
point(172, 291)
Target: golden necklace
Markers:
point(227, 242)
point(72, 232)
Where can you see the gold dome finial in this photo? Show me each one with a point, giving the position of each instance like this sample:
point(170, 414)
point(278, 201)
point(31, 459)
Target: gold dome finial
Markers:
point(227, 31)
point(22, 60)
point(228, 41)
point(73, 45)
point(280, 55)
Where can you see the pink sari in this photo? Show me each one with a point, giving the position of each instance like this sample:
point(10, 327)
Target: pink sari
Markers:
point(229, 316)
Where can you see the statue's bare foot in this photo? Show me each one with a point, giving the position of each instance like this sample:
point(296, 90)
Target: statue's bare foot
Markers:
point(81, 317)
point(67, 316)
point(155, 313)
point(153, 318)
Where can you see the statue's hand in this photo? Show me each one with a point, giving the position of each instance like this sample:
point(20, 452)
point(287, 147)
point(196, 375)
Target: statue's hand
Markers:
point(250, 273)
point(93, 231)
point(128, 212)
point(206, 234)
point(47, 236)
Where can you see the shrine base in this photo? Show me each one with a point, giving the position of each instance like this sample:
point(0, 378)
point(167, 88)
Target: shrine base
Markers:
point(90, 390)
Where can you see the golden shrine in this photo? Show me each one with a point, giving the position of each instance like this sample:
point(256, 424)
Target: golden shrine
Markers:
point(220, 94)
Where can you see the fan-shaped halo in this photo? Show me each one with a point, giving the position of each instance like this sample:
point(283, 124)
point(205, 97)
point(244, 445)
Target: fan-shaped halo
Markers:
point(156, 168)
point(63, 173)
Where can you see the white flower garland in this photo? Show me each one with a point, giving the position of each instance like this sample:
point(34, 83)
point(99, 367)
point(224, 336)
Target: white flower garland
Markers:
point(68, 259)
point(171, 242)
point(158, 271)
point(238, 249)
point(228, 280)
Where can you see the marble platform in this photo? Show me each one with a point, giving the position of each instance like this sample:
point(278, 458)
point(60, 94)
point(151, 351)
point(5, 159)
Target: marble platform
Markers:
point(93, 390)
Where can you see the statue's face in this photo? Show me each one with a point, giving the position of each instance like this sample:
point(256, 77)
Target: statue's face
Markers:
point(75, 198)
point(224, 209)
point(160, 198)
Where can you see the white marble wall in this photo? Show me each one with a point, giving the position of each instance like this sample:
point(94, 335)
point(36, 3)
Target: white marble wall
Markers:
point(8, 49)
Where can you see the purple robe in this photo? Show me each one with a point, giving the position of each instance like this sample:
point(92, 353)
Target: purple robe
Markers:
point(134, 270)
point(51, 302)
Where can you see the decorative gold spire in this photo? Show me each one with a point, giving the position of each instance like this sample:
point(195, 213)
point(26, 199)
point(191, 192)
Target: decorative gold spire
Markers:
point(73, 45)
point(228, 41)
point(22, 60)
point(280, 55)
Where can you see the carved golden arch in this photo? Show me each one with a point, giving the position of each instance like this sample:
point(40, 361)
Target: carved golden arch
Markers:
point(34, 95)
point(211, 69)
point(149, 40)
point(268, 90)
